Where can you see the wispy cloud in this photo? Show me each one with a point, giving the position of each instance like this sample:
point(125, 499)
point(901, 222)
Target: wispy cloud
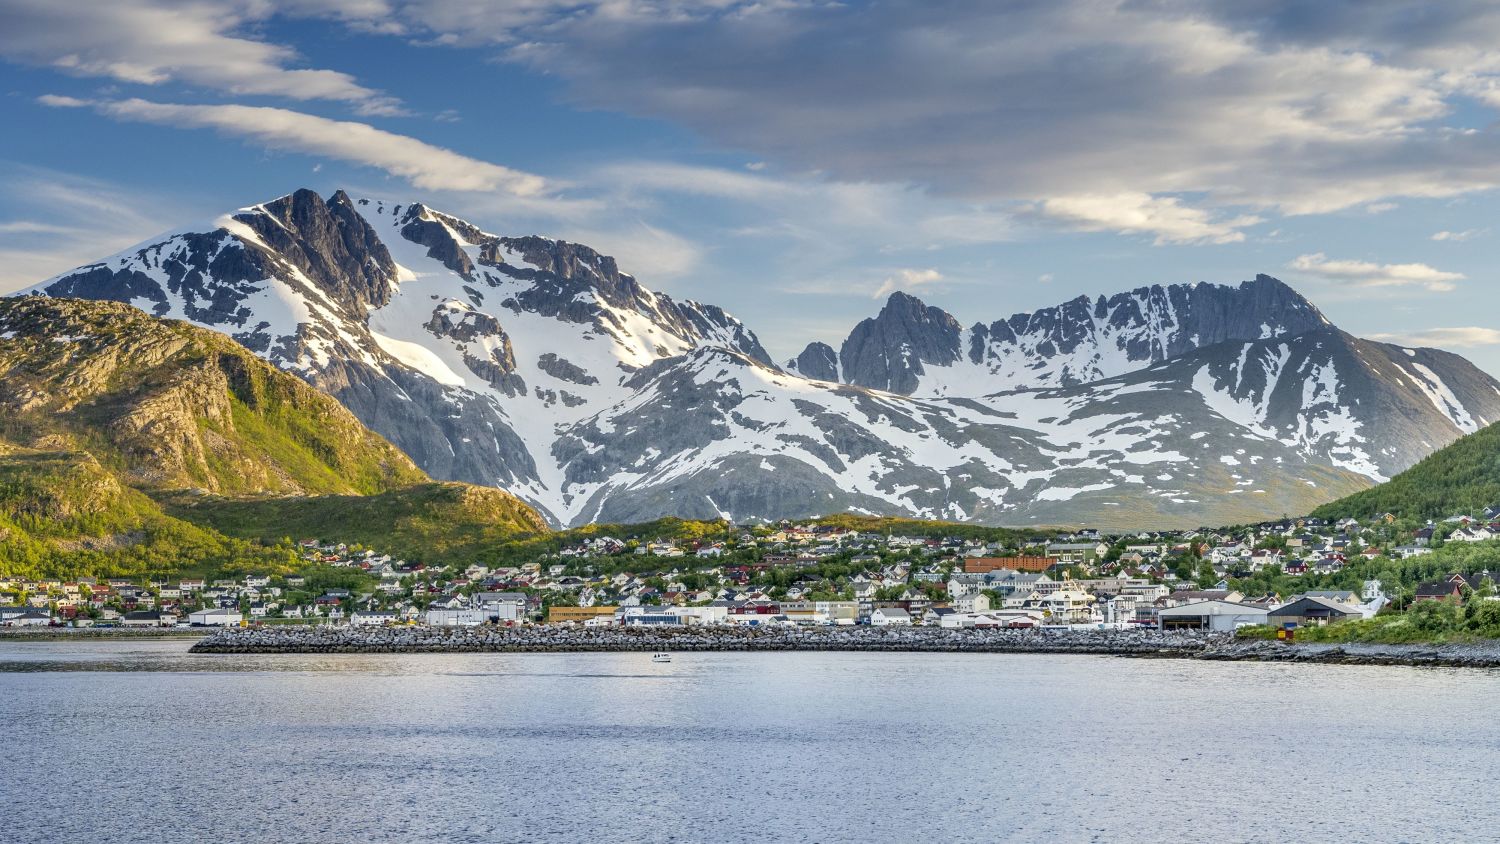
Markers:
point(1458, 237)
point(907, 280)
point(151, 42)
point(71, 220)
point(1466, 337)
point(1372, 275)
point(1163, 217)
point(422, 164)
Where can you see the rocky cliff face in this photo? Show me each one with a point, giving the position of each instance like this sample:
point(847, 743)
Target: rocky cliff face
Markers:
point(541, 367)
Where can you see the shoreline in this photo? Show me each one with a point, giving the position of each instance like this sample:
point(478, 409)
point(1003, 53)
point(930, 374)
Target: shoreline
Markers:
point(1140, 644)
point(60, 634)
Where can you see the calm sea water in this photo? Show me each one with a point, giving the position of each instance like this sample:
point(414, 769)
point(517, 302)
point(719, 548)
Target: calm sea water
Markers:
point(140, 741)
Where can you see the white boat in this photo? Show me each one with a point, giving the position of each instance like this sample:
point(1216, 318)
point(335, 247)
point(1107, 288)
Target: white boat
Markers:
point(661, 657)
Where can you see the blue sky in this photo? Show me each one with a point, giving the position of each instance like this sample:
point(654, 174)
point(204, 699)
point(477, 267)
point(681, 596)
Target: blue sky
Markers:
point(794, 161)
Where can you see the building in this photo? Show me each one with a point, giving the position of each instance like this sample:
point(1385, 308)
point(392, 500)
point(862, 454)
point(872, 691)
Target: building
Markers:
point(372, 618)
point(1218, 616)
point(1306, 612)
point(580, 615)
point(148, 618)
point(502, 606)
point(217, 617)
point(890, 617)
point(985, 565)
point(457, 617)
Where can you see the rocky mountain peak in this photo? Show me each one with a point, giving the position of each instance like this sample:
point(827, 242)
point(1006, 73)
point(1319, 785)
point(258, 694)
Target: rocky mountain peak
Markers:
point(329, 242)
point(888, 351)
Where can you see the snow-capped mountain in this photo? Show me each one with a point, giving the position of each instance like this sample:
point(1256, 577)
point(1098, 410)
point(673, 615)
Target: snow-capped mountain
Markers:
point(915, 349)
point(538, 366)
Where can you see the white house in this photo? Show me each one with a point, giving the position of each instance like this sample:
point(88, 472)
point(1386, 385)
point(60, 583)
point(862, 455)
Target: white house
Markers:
point(890, 617)
point(372, 618)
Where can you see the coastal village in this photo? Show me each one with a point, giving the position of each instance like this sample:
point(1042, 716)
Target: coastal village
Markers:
point(823, 574)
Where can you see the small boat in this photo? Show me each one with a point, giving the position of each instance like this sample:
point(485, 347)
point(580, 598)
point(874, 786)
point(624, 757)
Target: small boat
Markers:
point(662, 657)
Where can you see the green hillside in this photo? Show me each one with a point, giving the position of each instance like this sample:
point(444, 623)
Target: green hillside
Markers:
point(105, 411)
point(171, 406)
point(434, 522)
point(1463, 478)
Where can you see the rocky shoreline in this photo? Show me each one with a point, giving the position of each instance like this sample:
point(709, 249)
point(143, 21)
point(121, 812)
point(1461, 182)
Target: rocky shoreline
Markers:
point(544, 639)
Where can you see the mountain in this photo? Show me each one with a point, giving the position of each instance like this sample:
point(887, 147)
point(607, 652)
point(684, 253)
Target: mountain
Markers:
point(1462, 479)
point(538, 366)
point(914, 349)
point(104, 410)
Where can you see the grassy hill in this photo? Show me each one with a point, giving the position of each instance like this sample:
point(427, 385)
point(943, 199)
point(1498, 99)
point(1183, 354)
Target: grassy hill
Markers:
point(1462, 478)
point(433, 522)
point(106, 411)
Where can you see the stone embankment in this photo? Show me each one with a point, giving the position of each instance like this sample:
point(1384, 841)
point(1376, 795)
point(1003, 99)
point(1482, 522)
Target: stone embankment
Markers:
point(1481, 654)
point(549, 639)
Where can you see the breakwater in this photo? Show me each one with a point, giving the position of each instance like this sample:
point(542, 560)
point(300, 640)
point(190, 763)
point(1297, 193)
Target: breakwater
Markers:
point(554, 639)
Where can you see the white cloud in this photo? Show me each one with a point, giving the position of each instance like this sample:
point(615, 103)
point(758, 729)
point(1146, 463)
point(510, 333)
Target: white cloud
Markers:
point(423, 165)
point(1165, 218)
point(1248, 106)
point(1457, 237)
point(907, 280)
point(151, 42)
point(1367, 274)
point(69, 221)
point(1467, 337)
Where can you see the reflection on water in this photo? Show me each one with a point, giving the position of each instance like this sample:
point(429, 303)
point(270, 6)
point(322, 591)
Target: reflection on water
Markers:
point(139, 740)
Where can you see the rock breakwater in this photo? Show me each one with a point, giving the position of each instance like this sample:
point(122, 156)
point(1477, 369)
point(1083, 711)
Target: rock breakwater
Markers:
point(555, 639)
point(551, 639)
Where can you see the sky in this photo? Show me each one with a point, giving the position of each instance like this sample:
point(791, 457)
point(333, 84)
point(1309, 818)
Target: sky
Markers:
point(795, 161)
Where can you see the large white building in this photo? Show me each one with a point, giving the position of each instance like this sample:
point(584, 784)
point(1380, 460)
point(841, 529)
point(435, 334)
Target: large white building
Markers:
point(217, 617)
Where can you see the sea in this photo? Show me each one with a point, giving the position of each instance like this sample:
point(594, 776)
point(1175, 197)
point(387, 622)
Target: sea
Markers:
point(139, 740)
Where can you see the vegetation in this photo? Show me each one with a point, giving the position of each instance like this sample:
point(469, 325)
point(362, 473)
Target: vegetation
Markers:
point(1463, 478)
point(105, 412)
point(434, 523)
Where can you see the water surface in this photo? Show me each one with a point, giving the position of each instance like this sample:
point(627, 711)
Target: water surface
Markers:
point(142, 741)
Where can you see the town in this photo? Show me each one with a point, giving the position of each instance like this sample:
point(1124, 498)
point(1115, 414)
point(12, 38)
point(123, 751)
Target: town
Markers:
point(1286, 574)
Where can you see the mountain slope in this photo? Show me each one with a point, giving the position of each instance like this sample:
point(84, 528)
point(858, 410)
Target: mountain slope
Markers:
point(1462, 479)
point(538, 366)
point(434, 523)
point(174, 406)
point(104, 409)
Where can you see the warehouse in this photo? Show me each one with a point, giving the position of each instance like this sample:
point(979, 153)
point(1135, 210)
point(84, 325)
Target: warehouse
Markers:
point(1218, 616)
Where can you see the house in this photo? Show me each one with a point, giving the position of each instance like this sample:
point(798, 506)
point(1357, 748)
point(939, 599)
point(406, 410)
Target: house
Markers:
point(30, 618)
point(1218, 616)
point(502, 606)
point(1438, 590)
point(890, 617)
point(216, 617)
point(372, 618)
point(978, 602)
point(1312, 612)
